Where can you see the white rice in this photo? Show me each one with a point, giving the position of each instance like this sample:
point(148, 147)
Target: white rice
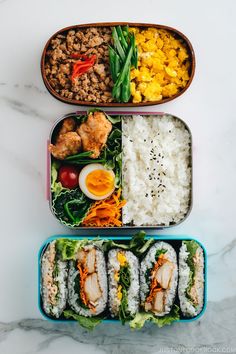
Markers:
point(48, 264)
point(186, 306)
point(148, 263)
point(156, 170)
point(113, 266)
point(100, 268)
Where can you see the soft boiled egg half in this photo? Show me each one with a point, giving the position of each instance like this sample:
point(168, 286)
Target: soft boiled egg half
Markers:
point(96, 181)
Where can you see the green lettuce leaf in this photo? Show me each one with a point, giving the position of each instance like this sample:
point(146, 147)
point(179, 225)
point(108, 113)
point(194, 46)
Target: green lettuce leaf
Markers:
point(87, 322)
point(114, 119)
point(112, 156)
point(138, 244)
point(192, 247)
point(67, 248)
point(141, 317)
point(56, 187)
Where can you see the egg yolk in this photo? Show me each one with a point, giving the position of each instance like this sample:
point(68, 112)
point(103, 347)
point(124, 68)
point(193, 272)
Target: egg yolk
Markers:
point(99, 182)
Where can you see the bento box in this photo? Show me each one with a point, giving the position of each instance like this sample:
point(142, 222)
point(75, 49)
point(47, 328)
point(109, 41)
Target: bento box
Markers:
point(117, 64)
point(122, 279)
point(120, 170)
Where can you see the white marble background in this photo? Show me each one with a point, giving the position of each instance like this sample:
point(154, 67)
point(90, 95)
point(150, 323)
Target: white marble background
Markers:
point(27, 113)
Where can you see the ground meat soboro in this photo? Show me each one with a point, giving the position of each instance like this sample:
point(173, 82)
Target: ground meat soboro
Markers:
point(95, 85)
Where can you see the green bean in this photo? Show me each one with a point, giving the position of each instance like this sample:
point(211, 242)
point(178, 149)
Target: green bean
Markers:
point(117, 44)
point(112, 59)
point(122, 38)
point(125, 95)
point(117, 67)
point(124, 71)
point(125, 30)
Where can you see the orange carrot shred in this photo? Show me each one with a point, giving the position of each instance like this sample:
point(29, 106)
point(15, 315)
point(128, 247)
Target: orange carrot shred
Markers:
point(106, 212)
point(155, 286)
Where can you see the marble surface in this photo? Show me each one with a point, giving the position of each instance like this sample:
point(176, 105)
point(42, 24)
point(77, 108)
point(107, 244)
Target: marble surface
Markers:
point(27, 113)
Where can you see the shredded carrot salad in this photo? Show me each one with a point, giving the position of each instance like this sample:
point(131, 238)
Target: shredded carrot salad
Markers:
point(155, 286)
point(106, 212)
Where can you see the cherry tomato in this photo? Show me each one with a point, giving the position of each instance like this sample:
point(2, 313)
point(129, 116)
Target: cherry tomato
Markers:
point(68, 176)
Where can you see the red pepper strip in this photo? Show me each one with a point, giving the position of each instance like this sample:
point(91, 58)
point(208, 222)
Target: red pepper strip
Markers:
point(79, 70)
point(80, 67)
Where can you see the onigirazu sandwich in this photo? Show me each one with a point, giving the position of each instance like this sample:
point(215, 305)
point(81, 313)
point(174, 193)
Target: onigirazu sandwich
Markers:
point(123, 273)
point(158, 279)
point(191, 278)
point(53, 281)
point(87, 282)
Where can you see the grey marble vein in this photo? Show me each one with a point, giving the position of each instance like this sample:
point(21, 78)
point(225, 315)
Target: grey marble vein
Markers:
point(215, 330)
point(225, 250)
point(23, 108)
point(20, 163)
point(26, 86)
point(35, 88)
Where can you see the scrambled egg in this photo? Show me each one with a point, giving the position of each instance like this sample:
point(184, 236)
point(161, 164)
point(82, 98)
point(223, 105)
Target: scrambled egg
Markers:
point(162, 65)
point(121, 258)
point(119, 292)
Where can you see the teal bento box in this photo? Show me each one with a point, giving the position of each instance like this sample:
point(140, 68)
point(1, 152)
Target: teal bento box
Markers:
point(161, 279)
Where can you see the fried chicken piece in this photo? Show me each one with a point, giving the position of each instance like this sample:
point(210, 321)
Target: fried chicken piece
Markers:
point(67, 144)
point(68, 125)
point(94, 133)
